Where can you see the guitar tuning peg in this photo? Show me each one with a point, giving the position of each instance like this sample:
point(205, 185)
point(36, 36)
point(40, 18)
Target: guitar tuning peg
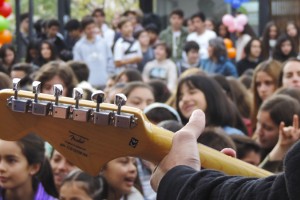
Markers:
point(57, 92)
point(36, 89)
point(59, 111)
point(98, 98)
point(16, 86)
point(77, 95)
point(120, 100)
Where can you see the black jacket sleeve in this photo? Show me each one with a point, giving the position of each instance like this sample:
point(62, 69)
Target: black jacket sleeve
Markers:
point(183, 182)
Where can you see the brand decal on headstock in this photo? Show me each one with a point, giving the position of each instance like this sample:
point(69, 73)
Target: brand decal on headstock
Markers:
point(77, 138)
point(75, 144)
point(133, 142)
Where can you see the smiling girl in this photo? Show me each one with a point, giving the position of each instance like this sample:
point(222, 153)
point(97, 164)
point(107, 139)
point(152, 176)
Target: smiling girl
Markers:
point(200, 92)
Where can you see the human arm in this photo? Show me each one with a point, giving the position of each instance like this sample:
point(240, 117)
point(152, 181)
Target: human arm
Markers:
point(119, 55)
point(287, 137)
point(178, 175)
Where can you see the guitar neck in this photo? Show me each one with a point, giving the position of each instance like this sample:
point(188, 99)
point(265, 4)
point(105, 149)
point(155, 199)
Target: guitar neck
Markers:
point(89, 139)
point(210, 158)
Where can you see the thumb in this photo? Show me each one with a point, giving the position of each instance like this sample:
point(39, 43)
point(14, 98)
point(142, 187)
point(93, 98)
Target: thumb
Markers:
point(196, 124)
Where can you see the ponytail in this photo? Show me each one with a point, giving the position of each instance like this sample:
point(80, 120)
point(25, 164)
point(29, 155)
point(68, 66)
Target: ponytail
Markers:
point(45, 176)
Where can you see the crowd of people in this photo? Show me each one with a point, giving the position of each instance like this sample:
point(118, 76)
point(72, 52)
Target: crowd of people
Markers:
point(251, 102)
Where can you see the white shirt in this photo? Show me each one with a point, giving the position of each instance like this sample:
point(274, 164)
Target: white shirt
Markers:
point(176, 38)
point(98, 56)
point(240, 45)
point(202, 40)
point(123, 52)
point(165, 70)
point(108, 35)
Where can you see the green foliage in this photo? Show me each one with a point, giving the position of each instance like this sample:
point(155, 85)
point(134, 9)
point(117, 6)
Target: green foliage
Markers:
point(42, 8)
point(81, 8)
point(48, 8)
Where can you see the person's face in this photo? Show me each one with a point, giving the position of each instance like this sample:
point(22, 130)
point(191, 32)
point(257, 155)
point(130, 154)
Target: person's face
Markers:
point(99, 18)
point(33, 53)
point(286, 47)
point(291, 30)
point(89, 30)
point(61, 167)
point(291, 74)
point(123, 79)
point(15, 172)
point(193, 56)
point(222, 30)
point(52, 31)
point(210, 51)
point(144, 39)
point(153, 36)
point(9, 57)
point(120, 174)
point(109, 84)
point(132, 18)
point(71, 191)
point(264, 85)
point(48, 85)
point(209, 25)
point(191, 99)
point(176, 21)
point(127, 29)
point(74, 34)
point(160, 53)
point(190, 26)
point(140, 98)
point(255, 49)
point(252, 157)
point(198, 24)
point(25, 24)
point(266, 130)
point(273, 32)
point(115, 20)
point(46, 51)
point(17, 74)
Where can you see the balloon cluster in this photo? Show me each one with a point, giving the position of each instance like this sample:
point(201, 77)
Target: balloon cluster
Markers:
point(231, 51)
point(235, 3)
point(235, 24)
point(5, 11)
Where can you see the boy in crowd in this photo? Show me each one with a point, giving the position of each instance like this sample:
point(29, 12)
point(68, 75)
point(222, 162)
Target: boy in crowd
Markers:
point(191, 58)
point(74, 33)
point(107, 33)
point(94, 51)
point(52, 34)
point(201, 34)
point(127, 50)
point(153, 32)
point(175, 35)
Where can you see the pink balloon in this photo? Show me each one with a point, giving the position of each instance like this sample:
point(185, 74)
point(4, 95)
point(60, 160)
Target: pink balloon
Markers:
point(242, 19)
point(239, 28)
point(228, 20)
point(231, 28)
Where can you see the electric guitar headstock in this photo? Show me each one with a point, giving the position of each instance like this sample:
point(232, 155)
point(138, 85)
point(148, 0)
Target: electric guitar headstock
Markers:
point(91, 133)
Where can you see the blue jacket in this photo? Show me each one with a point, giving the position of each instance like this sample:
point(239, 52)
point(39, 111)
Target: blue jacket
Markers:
point(224, 67)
